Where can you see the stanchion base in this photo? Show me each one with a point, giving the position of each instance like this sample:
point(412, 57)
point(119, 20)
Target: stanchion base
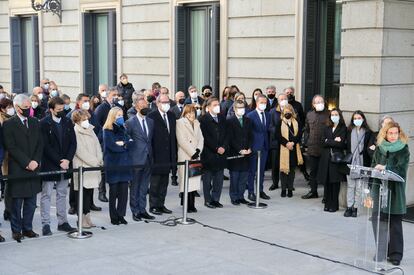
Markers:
point(183, 222)
point(254, 206)
point(76, 235)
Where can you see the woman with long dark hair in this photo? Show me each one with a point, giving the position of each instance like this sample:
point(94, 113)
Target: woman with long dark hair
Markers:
point(257, 92)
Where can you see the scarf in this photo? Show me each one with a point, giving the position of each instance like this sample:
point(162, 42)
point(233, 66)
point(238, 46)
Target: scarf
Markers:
point(386, 146)
point(284, 151)
point(357, 140)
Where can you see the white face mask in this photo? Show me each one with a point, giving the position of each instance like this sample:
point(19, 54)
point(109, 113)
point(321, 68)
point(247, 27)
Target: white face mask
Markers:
point(262, 106)
point(103, 94)
point(85, 106)
point(85, 124)
point(10, 111)
point(335, 119)
point(198, 113)
point(40, 96)
point(358, 122)
point(194, 95)
point(54, 93)
point(241, 112)
point(216, 109)
point(35, 104)
point(121, 102)
point(165, 107)
point(255, 98)
point(319, 107)
point(283, 103)
point(46, 86)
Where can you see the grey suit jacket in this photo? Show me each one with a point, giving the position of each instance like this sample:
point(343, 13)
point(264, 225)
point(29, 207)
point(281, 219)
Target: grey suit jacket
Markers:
point(141, 148)
point(176, 111)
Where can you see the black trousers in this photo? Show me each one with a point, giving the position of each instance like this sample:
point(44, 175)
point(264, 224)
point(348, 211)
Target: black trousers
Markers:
point(331, 195)
point(174, 172)
point(158, 190)
point(86, 200)
point(287, 179)
point(395, 234)
point(212, 185)
point(118, 198)
point(73, 197)
point(275, 157)
point(191, 200)
point(313, 166)
point(102, 184)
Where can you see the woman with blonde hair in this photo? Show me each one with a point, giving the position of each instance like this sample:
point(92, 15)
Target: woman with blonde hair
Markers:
point(289, 135)
point(115, 144)
point(88, 154)
point(392, 154)
point(190, 143)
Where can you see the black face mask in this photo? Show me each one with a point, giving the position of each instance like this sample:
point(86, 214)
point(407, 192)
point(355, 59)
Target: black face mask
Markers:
point(181, 101)
point(288, 116)
point(207, 94)
point(144, 111)
point(271, 96)
point(25, 112)
point(150, 98)
point(291, 97)
point(60, 114)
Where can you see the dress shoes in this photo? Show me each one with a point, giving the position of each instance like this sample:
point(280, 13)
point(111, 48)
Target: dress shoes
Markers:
point(102, 197)
point(122, 220)
point(65, 227)
point(283, 194)
point(46, 230)
point(235, 202)
point(115, 221)
point(95, 208)
point(310, 195)
point(210, 205)
point(196, 194)
point(192, 210)
point(165, 210)
point(273, 187)
point(217, 204)
point(252, 197)
point(72, 211)
point(264, 196)
point(243, 201)
point(155, 211)
point(30, 234)
point(290, 194)
point(18, 237)
point(136, 217)
point(146, 216)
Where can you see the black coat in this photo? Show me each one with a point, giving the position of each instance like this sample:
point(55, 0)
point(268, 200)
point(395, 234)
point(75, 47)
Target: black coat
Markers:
point(39, 112)
point(240, 138)
point(176, 111)
point(23, 145)
point(54, 150)
point(188, 100)
point(270, 106)
point(368, 141)
point(126, 92)
point(293, 156)
point(164, 142)
point(328, 171)
point(274, 124)
point(215, 136)
point(300, 114)
point(101, 114)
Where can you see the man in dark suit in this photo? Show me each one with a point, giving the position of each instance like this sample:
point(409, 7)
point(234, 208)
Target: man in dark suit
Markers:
point(23, 141)
point(141, 130)
point(150, 98)
point(240, 136)
point(178, 108)
point(213, 157)
point(260, 122)
point(164, 152)
point(271, 97)
point(101, 113)
point(59, 135)
point(193, 97)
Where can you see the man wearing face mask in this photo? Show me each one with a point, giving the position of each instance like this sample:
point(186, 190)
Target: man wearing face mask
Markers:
point(164, 152)
point(141, 130)
point(178, 108)
point(193, 97)
point(314, 127)
point(59, 136)
point(165, 91)
point(260, 125)
point(103, 91)
point(150, 99)
point(271, 97)
point(101, 114)
point(24, 143)
point(44, 98)
point(213, 157)
point(297, 106)
point(125, 89)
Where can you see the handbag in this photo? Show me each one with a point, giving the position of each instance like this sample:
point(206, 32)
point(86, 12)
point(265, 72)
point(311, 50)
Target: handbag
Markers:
point(195, 169)
point(341, 157)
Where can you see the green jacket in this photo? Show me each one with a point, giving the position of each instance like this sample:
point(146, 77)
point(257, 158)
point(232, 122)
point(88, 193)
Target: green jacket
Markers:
point(396, 162)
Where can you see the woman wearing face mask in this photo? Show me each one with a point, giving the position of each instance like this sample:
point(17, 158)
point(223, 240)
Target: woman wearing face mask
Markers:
point(88, 154)
point(53, 89)
point(289, 135)
point(38, 110)
point(116, 143)
point(330, 174)
point(190, 143)
point(95, 101)
point(314, 125)
point(206, 92)
point(125, 89)
point(257, 92)
point(392, 154)
point(359, 139)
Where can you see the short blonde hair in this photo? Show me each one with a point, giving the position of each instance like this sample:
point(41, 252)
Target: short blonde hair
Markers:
point(79, 115)
point(189, 108)
point(382, 135)
point(110, 120)
point(288, 108)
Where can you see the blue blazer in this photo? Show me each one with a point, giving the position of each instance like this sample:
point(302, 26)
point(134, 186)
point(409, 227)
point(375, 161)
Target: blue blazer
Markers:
point(141, 147)
point(260, 132)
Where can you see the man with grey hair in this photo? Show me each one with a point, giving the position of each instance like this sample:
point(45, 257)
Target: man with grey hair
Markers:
point(193, 97)
point(271, 100)
point(23, 141)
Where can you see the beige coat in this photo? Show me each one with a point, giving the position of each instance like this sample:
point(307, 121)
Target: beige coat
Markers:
point(88, 154)
point(188, 140)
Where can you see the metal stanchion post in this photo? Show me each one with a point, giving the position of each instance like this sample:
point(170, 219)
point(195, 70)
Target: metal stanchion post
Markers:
point(184, 220)
point(257, 204)
point(80, 234)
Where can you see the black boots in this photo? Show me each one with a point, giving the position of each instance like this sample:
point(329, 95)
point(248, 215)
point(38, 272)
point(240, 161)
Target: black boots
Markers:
point(351, 212)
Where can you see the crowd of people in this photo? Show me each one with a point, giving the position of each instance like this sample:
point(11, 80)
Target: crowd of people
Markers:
point(120, 127)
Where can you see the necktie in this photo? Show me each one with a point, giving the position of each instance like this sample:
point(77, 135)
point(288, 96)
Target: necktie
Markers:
point(166, 123)
point(241, 121)
point(144, 127)
point(25, 123)
point(263, 119)
point(215, 119)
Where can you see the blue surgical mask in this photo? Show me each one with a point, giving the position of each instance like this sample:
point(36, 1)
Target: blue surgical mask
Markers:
point(67, 107)
point(358, 122)
point(54, 93)
point(335, 119)
point(120, 121)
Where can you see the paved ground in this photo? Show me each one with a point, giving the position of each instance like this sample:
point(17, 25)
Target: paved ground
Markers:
point(149, 248)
